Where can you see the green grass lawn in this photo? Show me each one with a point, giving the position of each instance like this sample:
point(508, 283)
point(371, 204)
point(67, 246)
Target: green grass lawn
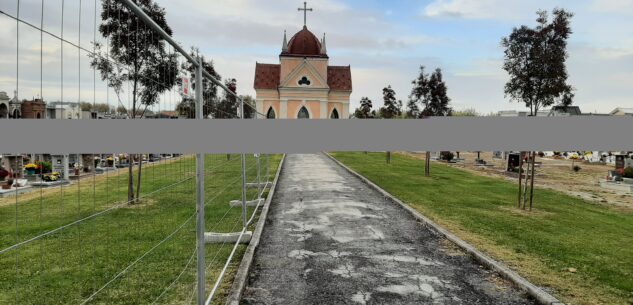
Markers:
point(70, 265)
point(562, 232)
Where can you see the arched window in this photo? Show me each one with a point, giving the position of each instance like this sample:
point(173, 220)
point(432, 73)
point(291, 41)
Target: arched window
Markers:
point(17, 114)
point(303, 113)
point(271, 113)
point(334, 114)
point(39, 115)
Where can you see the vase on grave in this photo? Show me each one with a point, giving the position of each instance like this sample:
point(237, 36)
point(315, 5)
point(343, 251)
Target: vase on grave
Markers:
point(8, 184)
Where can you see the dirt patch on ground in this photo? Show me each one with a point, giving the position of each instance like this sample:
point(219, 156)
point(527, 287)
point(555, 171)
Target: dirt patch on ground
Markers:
point(553, 174)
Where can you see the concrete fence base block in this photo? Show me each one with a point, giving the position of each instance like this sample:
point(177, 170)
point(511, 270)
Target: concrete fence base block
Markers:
point(220, 238)
point(249, 203)
point(255, 185)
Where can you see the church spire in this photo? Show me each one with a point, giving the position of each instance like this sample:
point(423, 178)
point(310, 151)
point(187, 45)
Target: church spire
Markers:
point(284, 46)
point(323, 47)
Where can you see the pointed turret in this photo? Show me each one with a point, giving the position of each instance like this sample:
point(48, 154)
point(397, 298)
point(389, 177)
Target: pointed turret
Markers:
point(323, 47)
point(284, 46)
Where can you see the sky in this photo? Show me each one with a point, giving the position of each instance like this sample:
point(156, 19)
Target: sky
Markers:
point(385, 42)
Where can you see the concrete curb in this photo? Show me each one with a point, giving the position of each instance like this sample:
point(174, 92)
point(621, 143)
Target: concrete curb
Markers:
point(241, 276)
point(534, 291)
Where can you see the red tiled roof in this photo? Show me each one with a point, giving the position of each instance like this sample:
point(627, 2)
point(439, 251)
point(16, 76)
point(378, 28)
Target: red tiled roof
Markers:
point(267, 76)
point(304, 43)
point(339, 78)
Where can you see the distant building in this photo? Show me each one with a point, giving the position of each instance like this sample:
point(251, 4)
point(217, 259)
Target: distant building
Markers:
point(565, 111)
point(622, 111)
point(34, 109)
point(514, 113)
point(4, 105)
point(63, 110)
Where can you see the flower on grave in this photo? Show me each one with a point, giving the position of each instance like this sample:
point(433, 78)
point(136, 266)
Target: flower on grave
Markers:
point(44, 166)
point(31, 166)
point(3, 173)
point(110, 159)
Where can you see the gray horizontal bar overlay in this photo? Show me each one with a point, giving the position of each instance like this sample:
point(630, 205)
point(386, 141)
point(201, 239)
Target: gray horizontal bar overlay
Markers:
point(306, 136)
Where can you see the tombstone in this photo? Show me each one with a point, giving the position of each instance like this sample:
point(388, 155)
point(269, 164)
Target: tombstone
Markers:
point(498, 154)
point(620, 161)
point(514, 160)
point(88, 163)
point(626, 161)
point(60, 165)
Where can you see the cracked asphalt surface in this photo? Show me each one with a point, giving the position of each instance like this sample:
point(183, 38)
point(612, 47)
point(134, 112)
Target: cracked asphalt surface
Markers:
point(331, 239)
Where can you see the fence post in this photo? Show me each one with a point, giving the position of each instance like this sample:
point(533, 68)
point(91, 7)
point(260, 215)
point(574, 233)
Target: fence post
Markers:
point(244, 216)
point(259, 180)
point(200, 193)
point(267, 168)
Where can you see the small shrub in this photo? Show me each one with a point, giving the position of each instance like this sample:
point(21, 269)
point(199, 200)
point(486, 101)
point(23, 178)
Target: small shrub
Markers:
point(576, 168)
point(447, 155)
point(541, 154)
point(628, 172)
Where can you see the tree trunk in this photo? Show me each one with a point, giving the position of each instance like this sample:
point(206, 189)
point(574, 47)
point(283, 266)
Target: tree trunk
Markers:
point(525, 187)
point(520, 174)
point(532, 182)
point(138, 183)
point(427, 164)
point(130, 188)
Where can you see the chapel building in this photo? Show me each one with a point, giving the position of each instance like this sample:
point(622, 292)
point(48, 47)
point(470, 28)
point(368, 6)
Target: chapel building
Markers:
point(303, 85)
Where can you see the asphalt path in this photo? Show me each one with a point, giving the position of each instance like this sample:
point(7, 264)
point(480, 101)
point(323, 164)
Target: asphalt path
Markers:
point(331, 239)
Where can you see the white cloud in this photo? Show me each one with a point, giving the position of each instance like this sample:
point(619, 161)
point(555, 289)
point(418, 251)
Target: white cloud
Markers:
point(484, 9)
point(613, 6)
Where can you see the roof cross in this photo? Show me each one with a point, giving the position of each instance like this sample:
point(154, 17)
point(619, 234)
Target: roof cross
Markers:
point(305, 10)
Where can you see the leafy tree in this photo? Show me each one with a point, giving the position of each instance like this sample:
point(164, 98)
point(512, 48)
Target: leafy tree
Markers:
point(187, 106)
point(121, 110)
point(466, 112)
point(535, 60)
point(85, 106)
point(249, 106)
point(392, 108)
point(228, 106)
point(431, 92)
point(364, 111)
point(103, 107)
point(136, 56)
point(413, 111)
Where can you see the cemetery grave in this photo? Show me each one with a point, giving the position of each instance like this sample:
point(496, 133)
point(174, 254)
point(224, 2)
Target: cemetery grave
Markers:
point(556, 174)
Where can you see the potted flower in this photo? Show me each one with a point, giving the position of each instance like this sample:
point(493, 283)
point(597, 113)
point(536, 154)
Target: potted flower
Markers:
point(31, 168)
point(44, 167)
point(3, 173)
point(9, 183)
